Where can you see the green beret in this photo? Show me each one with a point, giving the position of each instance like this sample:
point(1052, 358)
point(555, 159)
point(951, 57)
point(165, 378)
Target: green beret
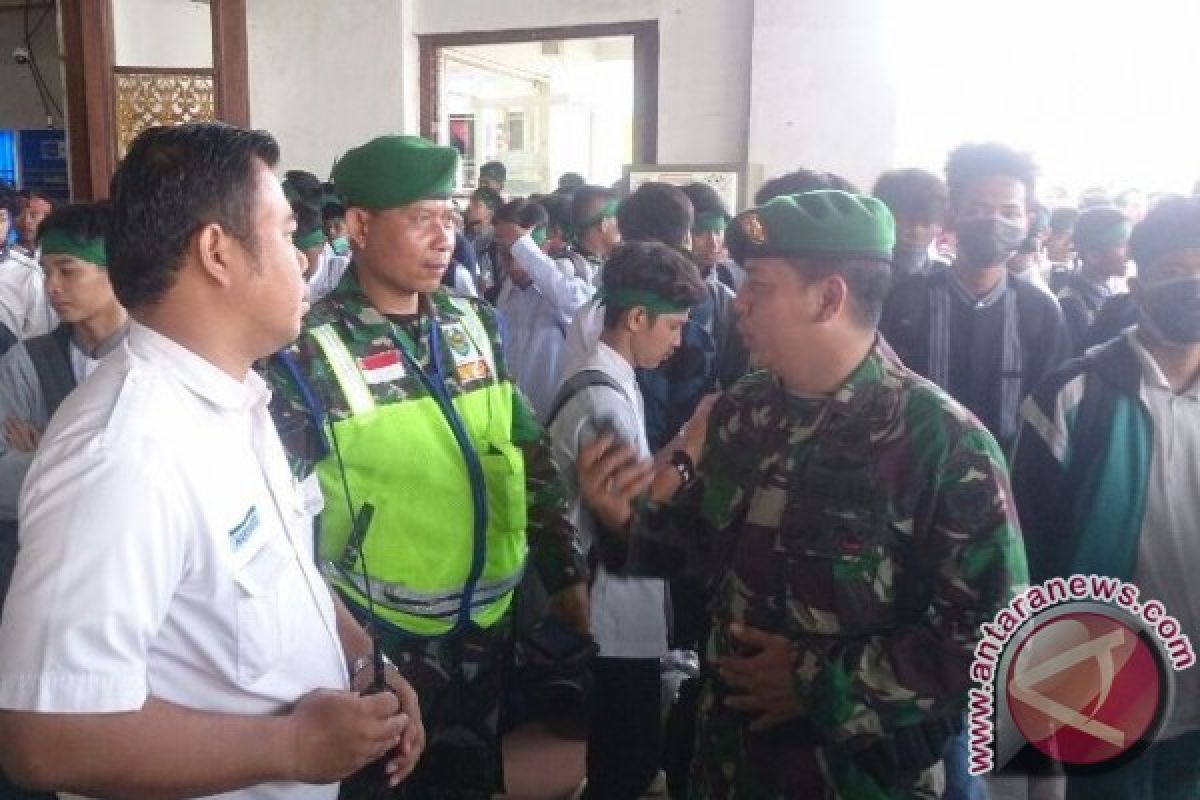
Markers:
point(823, 223)
point(393, 171)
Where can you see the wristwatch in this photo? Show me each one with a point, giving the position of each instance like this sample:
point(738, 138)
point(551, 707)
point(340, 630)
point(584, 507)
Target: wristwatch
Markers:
point(363, 662)
point(684, 465)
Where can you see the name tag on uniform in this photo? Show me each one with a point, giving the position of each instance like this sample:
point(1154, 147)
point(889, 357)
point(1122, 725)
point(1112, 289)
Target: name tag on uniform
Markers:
point(382, 367)
point(469, 363)
point(241, 533)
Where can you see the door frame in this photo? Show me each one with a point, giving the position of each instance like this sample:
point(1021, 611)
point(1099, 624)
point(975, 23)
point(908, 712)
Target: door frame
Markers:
point(645, 71)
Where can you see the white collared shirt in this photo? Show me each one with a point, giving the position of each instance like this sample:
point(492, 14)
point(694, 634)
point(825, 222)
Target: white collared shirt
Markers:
point(166, 552)
point(24, 308)
point(628, 613)
point(1169, 548)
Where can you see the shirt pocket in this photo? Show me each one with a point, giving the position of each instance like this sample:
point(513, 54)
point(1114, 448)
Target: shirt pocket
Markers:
point(266, 584)
point(838, 573)
point(504, 475)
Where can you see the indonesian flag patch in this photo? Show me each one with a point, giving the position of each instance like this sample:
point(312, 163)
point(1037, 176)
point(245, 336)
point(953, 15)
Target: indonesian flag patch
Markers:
point(382, 367)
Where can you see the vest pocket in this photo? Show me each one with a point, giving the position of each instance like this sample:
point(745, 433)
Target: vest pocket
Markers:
point(507, 501)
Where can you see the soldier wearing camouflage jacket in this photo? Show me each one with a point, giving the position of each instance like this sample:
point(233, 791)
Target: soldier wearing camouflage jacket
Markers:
point(397, 396)
point(855, 530)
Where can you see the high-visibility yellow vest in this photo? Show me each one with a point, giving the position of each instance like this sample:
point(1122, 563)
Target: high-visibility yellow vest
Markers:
point(446, 543)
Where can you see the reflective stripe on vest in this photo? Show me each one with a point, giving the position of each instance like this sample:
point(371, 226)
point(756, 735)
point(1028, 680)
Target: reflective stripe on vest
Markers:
point(405, 460)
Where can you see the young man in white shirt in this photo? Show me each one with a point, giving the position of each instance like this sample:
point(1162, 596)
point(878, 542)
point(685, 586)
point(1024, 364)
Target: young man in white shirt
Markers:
point(167, 632)
point(37, 374)
point(649, 290)
point(537, 299)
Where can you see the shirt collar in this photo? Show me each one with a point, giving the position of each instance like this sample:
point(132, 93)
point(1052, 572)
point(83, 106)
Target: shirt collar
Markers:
point(105, 347)
point(1152, 374)
point(615, 364)
point(365, 323)
point(198, 374)
point(959, 289)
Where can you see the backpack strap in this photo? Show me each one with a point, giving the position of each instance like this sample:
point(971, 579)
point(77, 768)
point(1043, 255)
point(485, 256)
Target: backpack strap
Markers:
point(574, 385)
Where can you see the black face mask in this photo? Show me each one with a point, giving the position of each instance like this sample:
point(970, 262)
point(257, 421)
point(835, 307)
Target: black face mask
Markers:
point(987, 241)
point(1172, 310)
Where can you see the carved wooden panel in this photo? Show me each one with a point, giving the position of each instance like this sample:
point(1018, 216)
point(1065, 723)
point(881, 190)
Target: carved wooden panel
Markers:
point(145, 98)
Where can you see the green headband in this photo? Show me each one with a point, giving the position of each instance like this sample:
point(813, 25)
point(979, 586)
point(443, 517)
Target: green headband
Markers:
point(56, 242)
point(628, 298)
point(608, 210)
point(538, 235)
point(710, 222)
point(310, 239)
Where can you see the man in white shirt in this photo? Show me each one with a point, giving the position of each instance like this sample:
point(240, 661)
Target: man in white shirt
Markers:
point(649, 289)
point(1106, 473)
point(167, 632)
point(538, 301)
point(37, 374)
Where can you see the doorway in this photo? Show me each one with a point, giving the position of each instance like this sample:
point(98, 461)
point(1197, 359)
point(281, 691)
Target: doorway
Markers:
point(543, 102)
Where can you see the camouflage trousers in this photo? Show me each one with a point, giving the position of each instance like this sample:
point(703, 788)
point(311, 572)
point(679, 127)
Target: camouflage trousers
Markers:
point(730, 763)
point(459, 680)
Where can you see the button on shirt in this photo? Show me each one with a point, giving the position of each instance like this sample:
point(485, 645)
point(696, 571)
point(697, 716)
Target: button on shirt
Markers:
point(1167, 551)
point(166, 552)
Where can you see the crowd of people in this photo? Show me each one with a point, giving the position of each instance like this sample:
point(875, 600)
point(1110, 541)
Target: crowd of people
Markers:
point(295, 473)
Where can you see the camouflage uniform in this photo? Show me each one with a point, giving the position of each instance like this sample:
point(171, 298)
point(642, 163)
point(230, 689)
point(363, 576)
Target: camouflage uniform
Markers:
point(458, 677)
point(874, 529)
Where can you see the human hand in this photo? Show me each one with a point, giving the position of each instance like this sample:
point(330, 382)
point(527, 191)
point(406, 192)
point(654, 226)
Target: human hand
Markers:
point(22, 435)
point(337, 733)
point(570, 604)
point(764, 681)
point(611, 476)
point(412, 742)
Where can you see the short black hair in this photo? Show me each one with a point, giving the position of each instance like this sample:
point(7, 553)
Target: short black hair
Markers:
point(37, 194)
point(494, 170)
point(1173, 224)
point(489, 197)
point(173, 181)
point(656, 212)
point(584, 203)
point(802, 180)
point(972, 162)
point(332, 211)
point(1094, 226)
point(704, 199)
point(525, 213)
point(914, 193)
point(654, 267)
point(1063, 219)
point(570, 181)
point(558, 210)
point(83, 221)
point(868, 280)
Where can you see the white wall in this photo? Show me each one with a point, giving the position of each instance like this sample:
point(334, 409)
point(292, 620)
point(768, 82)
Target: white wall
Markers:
point(327, 76)
point(821, 96)
point(162, 33)
point(704, 65)
point(20, 107)
point(783, 83)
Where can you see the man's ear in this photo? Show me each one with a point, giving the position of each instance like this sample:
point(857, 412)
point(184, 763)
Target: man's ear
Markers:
point(358, 221)
point(637, 319)
point(833, 298)
point(214, 250)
